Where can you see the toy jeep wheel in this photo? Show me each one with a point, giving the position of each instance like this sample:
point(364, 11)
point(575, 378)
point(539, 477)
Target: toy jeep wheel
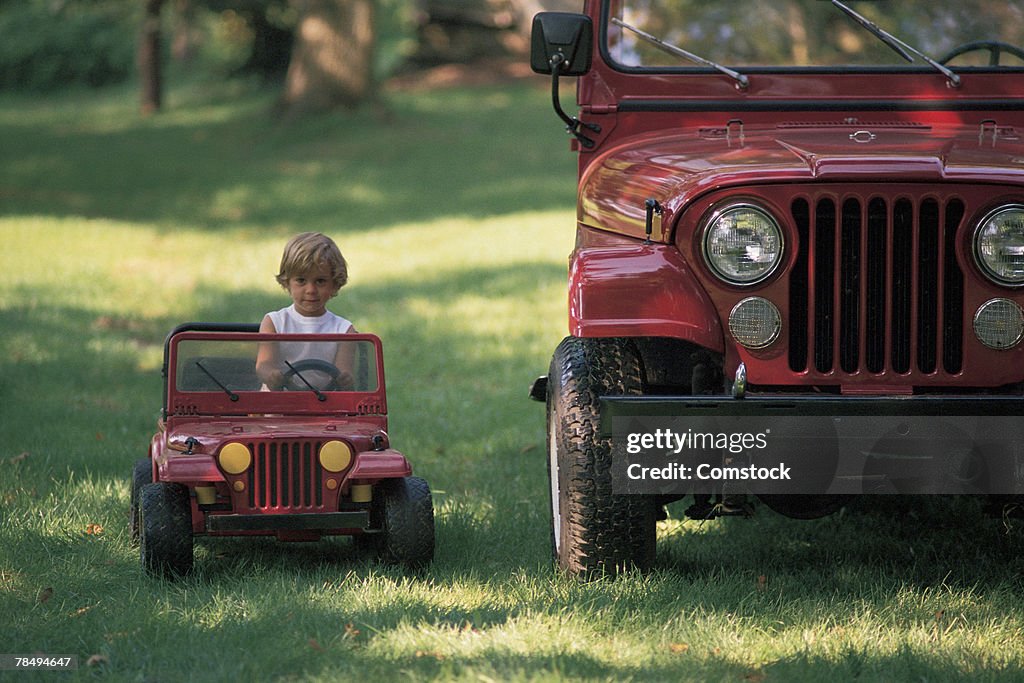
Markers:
point(142, 474)
point(165, 529)
point(594, 532)
point(406, 515)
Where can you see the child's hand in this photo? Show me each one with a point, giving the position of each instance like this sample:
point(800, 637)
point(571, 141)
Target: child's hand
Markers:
point(345, 381)
point(272, 377)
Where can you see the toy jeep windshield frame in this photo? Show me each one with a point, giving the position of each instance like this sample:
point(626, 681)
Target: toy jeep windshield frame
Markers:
point(792, 209)
point(211, 370)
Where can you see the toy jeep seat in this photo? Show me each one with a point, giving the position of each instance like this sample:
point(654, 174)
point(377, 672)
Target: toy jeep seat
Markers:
point(237, 374)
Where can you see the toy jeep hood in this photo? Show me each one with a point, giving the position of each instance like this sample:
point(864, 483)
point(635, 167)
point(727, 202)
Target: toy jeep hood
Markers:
point(614, 187)
point(208, 437)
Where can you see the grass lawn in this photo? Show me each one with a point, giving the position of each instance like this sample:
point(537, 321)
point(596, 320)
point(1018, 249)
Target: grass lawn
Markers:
point(455, 212)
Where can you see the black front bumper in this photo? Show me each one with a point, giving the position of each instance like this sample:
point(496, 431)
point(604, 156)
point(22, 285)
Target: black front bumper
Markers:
point(326, 521)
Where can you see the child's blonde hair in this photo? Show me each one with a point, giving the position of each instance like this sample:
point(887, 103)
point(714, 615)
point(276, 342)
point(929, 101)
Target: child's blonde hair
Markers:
point(308, 251)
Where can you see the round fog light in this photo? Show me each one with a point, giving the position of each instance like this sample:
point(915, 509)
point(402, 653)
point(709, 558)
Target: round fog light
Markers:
point(999, 324)
point(755, 322)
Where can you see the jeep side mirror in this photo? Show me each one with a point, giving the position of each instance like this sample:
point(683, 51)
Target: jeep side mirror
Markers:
point(561, 41)
point(561, 45)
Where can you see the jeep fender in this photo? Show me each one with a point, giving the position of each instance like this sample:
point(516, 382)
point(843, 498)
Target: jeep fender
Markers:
point(639, 290)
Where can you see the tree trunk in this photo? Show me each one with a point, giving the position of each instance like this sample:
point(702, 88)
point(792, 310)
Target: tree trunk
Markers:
point(148, 58)
point(332, 59)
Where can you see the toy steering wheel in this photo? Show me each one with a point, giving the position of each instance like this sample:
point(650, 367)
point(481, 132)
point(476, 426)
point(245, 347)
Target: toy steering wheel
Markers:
point(340, 381)
point(995, 49)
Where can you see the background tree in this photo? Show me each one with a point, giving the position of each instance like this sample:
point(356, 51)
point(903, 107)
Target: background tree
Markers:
point(332, 60)
point(148, 57)
point(464, 31)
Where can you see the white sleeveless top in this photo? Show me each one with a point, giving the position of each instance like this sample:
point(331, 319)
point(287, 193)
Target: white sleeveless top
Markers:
point(290, 321)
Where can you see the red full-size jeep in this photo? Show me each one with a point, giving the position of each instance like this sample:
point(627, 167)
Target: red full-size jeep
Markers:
point(232, 458)
point(797, 214)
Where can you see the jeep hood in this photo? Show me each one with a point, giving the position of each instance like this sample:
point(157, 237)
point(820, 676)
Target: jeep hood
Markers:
point(675, 170)
point(210, 436)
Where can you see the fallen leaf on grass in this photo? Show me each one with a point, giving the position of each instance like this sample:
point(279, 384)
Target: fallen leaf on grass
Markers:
point(314, 645)
point(81, 610)
point(679, 648)
point(350, 630)
point(96, 660)
point(45, 595)
point(93, 529)
point(426, 653)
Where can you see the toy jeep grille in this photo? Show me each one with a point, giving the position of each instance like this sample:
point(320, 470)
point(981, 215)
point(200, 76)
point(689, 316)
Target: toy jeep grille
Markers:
point(285, 476)
point(876, 286)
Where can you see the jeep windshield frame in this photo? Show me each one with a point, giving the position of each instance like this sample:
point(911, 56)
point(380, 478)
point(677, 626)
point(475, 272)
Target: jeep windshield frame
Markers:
point(808, 36)
point(212, 372)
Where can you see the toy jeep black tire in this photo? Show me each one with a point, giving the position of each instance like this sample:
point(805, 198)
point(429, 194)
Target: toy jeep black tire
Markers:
point(405, 513)
point(142, 474)
point(594, 532)
point(165, 529)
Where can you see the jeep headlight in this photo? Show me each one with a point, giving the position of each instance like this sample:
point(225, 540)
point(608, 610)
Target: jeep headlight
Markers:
point(999, 245)
point(234, 458)
point(335, 456)
point(742, 243)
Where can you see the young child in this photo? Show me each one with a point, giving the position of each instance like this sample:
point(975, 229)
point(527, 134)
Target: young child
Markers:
point(312, 271)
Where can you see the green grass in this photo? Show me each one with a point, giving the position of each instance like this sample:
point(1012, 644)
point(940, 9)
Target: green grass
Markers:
point(456, 217)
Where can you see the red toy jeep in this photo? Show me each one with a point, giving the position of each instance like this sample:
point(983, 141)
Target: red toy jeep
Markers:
point(790, 219)
point(232, 458)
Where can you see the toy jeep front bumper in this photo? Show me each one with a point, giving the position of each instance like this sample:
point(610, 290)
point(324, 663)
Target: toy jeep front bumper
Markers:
point(825, 445)
point(325, 521)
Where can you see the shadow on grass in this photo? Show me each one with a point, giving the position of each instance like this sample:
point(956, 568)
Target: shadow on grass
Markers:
point(916, 541)
point(481, 152)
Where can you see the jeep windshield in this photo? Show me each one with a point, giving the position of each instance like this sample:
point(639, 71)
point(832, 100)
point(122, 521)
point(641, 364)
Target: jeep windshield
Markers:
point(244, 373)
point(774, 35)
point(208, 365)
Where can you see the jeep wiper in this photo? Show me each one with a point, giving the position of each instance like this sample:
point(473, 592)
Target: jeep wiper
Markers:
point(902, 49)
point(319, 394)
point(232, 395)
point(741, 81)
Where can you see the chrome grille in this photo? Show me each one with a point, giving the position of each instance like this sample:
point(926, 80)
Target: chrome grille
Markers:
point(876, 287)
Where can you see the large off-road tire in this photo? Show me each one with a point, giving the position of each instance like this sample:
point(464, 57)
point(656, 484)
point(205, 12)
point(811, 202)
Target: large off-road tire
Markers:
point(142, 474)
point(165, 529)
point(405, 512)
point(594, 532)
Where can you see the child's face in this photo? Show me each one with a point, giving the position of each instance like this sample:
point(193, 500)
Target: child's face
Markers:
point(311, 291)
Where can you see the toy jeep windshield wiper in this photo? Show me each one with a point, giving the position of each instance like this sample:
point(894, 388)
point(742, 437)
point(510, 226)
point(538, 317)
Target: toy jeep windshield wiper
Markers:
point(312, 459)
point(213, 378)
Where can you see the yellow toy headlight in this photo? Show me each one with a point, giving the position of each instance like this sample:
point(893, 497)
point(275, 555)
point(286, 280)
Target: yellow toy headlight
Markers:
point(234, 458)
point(335, 456)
